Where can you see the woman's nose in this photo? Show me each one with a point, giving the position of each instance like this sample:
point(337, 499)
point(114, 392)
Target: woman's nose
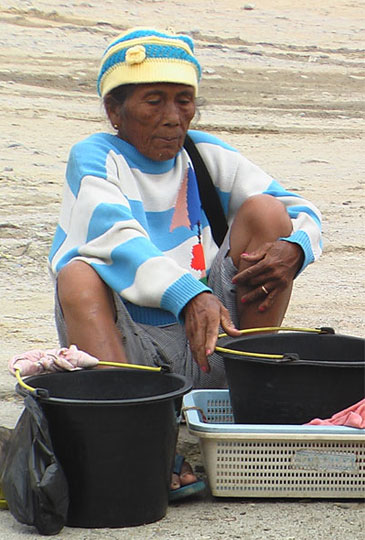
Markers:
point(171, 113)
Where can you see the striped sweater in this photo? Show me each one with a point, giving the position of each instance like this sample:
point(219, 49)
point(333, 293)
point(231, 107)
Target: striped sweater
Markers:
point(140, 225)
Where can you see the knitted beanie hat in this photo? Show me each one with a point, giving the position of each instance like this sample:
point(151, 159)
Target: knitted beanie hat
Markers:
point(143, 55)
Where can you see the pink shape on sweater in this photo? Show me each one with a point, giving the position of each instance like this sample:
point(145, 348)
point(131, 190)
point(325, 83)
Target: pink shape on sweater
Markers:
point(353, 416)
point(180, 217)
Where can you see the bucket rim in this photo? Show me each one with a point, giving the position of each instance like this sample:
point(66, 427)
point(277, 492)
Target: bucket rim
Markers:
point(288, 358)
point(43, 395)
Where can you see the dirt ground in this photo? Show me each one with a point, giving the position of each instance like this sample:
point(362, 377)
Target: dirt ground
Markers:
point(283, 82)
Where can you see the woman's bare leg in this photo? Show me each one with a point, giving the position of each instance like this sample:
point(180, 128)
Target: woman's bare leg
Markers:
point(89, 312)
point(260, 219)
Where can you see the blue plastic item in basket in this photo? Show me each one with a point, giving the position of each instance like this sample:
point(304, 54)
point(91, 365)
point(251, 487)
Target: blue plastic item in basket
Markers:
point(211, 411)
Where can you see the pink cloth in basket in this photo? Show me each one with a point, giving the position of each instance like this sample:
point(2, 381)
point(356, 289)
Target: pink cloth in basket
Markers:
point(36, 361)
point(353, 416)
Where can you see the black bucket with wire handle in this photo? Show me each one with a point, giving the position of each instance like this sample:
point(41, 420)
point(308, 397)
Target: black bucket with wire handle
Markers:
point(293, 375)
point(114, 432)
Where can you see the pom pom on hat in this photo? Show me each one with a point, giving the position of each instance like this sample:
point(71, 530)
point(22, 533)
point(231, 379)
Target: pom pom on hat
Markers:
point(143, 55)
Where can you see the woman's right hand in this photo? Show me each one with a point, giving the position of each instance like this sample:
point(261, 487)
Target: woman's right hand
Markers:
point(204, 314)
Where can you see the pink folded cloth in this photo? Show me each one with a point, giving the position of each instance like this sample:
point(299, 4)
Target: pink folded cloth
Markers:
point(37, 361)
point(353, 416)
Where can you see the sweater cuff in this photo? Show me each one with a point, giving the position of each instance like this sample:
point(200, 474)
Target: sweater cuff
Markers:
point(180, 293)
point(302, 239)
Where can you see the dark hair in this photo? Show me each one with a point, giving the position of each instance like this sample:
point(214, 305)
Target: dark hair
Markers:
point(118, 95)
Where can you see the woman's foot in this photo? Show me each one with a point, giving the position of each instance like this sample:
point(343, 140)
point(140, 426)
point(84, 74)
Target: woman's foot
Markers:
point(184, 483)
point(185, 477)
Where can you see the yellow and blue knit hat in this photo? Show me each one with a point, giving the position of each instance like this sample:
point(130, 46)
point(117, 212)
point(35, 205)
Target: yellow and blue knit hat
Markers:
point(143, 55)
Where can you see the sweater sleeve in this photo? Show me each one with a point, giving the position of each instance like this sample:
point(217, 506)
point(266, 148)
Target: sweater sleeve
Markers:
point(236, 179)
point(305, 217)
point(99, 226)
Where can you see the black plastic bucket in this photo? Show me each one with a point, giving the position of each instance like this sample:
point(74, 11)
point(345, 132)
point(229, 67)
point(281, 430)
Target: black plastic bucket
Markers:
point(319, 375)
point(114, 433)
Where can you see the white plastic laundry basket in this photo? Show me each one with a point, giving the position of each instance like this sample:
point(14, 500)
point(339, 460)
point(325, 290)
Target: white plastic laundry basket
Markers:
point(244, 460)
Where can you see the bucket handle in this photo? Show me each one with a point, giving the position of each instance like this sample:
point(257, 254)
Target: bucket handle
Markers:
point(287, 357)
point(42, 393)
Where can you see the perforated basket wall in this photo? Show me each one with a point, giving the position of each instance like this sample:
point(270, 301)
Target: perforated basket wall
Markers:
point(273, 464)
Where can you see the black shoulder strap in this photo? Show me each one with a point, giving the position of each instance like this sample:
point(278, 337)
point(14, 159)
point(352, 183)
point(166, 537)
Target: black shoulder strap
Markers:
point(208, 196)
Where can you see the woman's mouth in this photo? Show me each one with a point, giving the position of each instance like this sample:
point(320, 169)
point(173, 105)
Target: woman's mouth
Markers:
point(169, 139)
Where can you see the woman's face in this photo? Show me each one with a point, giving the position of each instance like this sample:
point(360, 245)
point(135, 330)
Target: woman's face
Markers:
point(155, 118)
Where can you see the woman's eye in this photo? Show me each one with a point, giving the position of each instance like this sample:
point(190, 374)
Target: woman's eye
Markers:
point(185, 100)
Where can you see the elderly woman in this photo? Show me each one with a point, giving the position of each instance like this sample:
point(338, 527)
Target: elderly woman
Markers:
point(139, 276)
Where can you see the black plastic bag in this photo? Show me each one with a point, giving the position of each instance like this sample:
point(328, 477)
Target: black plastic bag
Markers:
point(32, 479)
point(5, 436)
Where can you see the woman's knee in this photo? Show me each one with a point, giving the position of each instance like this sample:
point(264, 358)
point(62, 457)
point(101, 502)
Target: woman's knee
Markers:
point(260, 219)
point(265, 214)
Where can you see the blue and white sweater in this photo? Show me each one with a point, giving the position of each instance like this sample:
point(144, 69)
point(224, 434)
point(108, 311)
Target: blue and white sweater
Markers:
point(139, 223)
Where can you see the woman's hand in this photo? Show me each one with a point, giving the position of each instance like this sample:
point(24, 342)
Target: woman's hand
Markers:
point(204, 314)
point(272, 269)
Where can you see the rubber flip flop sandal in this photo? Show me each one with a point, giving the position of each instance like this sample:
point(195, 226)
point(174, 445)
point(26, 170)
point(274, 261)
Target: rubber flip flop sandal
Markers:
point(188, 490)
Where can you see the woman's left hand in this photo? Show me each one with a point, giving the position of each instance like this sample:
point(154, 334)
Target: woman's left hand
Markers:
point(272, 269)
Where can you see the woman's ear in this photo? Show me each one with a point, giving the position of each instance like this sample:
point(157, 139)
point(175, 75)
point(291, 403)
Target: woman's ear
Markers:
point(112, 109)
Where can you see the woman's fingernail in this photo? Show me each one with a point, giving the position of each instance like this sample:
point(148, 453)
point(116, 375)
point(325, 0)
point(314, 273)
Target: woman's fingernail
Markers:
point(208, 352)
point(261, 308)
point(243, 300)
point(243, 254)
point(204, 368)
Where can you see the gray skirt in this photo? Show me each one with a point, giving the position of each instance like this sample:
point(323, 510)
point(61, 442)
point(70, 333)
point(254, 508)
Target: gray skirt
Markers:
point(167, 345)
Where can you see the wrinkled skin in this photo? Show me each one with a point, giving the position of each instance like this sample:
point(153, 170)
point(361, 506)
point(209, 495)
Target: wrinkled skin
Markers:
point(273, 265)
point(203, 316)
point(155, 118)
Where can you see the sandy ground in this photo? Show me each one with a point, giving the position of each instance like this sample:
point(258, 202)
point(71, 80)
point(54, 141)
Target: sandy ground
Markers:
point(283, 82)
